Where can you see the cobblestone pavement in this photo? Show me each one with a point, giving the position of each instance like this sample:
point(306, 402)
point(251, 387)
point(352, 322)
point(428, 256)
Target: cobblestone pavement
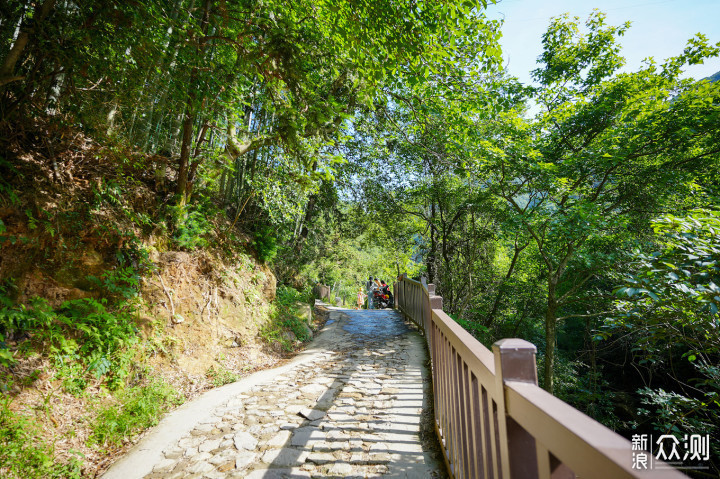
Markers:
point(351, 410)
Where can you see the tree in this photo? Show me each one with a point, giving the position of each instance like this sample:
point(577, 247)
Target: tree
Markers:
point(184, 78)
point(667, 318)
point(674, 291)
point(577, 175)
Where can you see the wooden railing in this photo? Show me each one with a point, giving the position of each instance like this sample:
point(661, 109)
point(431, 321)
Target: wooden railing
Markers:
point(493, 420)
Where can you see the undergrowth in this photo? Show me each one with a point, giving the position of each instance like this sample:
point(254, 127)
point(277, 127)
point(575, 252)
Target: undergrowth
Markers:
point(136, 409)
point(220, 376)
point(23, 453)
point(88, 341)
point(192, 227)
point(284, 317)
point(94, 342)
point(83, 338)
point(266, 243)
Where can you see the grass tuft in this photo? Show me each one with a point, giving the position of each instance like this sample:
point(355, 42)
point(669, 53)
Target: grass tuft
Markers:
point(23, 453)
point(137, 408)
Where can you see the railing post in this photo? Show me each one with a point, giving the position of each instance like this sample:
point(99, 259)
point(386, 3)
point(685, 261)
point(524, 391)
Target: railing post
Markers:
point(435, 302)
point(515, 361)
point(427, 319)
point(403, 306)
point(396, 293)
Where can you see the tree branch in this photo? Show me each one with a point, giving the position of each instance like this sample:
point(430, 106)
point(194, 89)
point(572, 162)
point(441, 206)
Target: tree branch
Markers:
point(583, 315)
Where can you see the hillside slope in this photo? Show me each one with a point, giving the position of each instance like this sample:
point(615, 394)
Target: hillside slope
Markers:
point(112, 299)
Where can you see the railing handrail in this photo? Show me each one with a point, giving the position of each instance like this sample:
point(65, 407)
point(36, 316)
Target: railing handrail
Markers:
point(588, 445)
point(491, 417)
point(412, 281)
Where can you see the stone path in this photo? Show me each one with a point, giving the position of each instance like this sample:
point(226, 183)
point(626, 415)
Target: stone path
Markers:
point(350, 408)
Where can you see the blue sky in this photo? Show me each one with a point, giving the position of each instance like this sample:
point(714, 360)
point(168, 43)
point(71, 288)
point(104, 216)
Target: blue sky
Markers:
point(659, 29)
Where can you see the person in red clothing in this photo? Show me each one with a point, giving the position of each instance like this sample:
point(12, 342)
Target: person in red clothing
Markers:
point(386, 290)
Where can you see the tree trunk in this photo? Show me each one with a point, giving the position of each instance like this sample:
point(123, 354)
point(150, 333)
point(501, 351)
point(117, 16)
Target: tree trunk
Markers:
point(8, 67)
point(433, 246)
point(550, 333)
point(197, 161)
point(298, 225)
point(189, 119)
point(52, 105)
point(308, 216)
point(221, 189)
point(185, 151)
point(175, 127)
point(111, 117)
point(501, 288)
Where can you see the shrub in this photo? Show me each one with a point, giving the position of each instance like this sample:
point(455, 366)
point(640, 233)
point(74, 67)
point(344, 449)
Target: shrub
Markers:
point(265, 244)
point(191, 226)
point(284, 317)
point(81, 331)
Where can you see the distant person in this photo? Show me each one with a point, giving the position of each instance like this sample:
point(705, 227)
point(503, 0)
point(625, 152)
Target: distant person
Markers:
point(360, 298)
point(386, 290)
point(369, 287)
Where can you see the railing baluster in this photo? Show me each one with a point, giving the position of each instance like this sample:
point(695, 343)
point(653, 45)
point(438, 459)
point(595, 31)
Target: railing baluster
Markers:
point(458, 416)
point(445, 400)
point(468, 425)
point(543, 462)
point(448, 399)
point(447, 431)
point(467, 442)
point(497, 441)
point(477, 442)
point(439, 396)
point(455, 424)
point(442, 389)
point(489, 435)
point(434, 344)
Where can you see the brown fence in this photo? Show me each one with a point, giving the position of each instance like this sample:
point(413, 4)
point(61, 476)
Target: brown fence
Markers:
point(493, 420)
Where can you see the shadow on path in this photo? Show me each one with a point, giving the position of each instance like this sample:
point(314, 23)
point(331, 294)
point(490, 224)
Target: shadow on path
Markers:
point(352, 409)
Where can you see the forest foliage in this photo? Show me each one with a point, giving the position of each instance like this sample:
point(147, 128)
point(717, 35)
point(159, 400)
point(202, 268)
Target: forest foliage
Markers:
point(347, 139)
